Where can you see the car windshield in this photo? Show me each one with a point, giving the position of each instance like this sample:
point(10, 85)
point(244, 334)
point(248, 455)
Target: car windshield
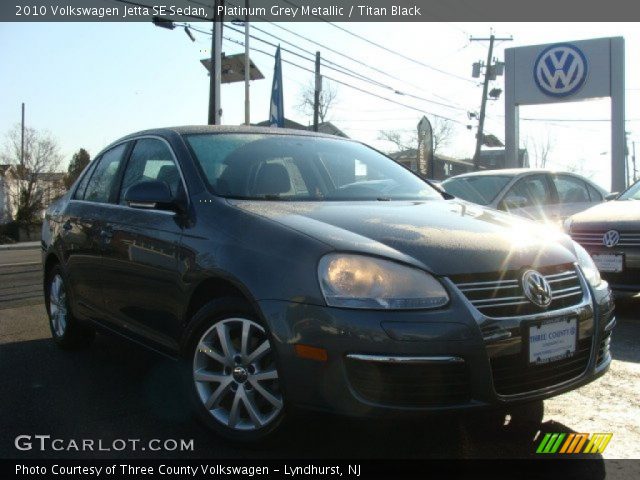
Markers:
point(633, 193)
point(481, 189)
point(296, 167)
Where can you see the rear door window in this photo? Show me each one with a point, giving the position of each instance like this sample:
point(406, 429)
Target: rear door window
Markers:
point(101, 185)
point(571, 189)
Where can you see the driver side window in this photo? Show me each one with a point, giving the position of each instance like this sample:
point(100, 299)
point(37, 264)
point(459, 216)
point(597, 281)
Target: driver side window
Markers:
point(528, 192)
point(150, 159)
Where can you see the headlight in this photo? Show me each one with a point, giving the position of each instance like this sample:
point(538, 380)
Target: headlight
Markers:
point(591, 272)
point(358, 281)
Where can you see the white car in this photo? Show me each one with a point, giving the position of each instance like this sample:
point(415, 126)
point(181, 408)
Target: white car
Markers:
point(542, 195)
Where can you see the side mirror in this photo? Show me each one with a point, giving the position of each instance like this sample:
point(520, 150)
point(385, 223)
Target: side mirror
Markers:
point(152, 194)
point(611, 196)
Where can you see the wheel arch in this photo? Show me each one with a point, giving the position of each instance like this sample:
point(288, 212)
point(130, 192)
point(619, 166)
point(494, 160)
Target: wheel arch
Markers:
point(207, 290)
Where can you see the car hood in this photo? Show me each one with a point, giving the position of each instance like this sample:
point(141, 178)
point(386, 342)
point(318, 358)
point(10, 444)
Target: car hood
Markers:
point(445, 237)
point(621, 214)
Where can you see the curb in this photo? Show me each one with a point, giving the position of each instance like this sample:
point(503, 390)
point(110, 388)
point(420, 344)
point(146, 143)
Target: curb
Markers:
point(20, 246)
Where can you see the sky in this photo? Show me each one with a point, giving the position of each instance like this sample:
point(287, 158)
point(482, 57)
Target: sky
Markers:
point(91, 83)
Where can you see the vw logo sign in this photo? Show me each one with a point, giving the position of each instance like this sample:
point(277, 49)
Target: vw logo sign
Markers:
point(536, 288)
point(611, 238)
point(560, 70)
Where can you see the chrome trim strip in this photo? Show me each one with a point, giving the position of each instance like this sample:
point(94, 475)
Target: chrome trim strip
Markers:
point(493, 282)
point(484, 301)
point(564, 279)
point(571, 273)
point(404, 360)
point(488, 288)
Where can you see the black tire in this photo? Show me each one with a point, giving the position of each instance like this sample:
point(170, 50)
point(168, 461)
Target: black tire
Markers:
point(73, 335)
point(218, 313)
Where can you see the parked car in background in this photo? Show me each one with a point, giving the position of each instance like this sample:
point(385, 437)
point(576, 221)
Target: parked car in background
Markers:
point(542, 195)
point(289, 269)
point(610, 232)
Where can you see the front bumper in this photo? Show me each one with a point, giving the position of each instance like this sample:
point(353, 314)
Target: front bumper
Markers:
point(442, 360)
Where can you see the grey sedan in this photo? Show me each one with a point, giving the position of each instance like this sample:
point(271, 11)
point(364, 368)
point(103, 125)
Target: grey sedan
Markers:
point(541, 195)
point(293, 270)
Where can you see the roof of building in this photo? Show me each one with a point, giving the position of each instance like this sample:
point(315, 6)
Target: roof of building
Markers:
point(323, 127)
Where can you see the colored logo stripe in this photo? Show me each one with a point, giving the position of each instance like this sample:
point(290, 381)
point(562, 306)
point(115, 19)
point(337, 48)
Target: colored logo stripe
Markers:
point(553, 443)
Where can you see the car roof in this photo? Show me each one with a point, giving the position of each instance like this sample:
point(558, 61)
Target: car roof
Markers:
point(203, 129)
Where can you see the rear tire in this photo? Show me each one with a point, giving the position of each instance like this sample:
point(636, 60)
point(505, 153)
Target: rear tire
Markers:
point(67, 332)
point(234, 381)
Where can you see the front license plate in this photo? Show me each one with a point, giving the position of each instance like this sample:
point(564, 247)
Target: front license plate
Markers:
point(608, 262)
point(553, 340)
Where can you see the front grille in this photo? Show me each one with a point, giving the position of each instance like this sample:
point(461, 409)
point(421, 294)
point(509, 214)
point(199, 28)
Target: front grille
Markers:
point(512, 375)
point(410, 385)
point(593, 238)
point(501, 295)
point(603, 349)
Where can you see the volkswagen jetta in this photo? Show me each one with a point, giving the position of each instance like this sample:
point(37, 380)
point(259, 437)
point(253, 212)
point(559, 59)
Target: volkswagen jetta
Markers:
point(289, 269)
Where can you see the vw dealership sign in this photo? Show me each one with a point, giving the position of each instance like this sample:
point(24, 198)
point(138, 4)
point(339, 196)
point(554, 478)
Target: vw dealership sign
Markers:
point(560, 70)
point(567, 72)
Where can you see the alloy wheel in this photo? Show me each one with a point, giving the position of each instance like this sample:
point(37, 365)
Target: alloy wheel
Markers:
point(235, 375)
point(58, 311)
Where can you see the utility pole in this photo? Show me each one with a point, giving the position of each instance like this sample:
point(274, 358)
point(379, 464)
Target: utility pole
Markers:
point(489, 74)
point(247, 69)
point(22, 139)
point(627, 167)
point(316, 94)
point(633, 160)
point(215, 76)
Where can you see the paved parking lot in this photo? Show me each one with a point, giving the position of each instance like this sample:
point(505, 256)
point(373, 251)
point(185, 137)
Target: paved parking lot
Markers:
point(113, 390)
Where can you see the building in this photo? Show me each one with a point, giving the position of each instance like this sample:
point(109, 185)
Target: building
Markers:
point(49, 186)
point(495, 158)
point(445, 166)
point(323, 127)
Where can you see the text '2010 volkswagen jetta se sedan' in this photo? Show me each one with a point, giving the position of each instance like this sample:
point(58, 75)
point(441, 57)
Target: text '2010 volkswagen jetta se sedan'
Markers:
point(289, 269)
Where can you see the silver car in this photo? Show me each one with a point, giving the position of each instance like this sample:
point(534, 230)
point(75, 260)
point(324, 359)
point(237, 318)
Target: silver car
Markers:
point(542, 195)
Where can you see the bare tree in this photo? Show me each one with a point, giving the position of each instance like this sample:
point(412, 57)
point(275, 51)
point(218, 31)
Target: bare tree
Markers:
point(328, 97)
point(41, 155)
point(442, 135)
point(539, 150)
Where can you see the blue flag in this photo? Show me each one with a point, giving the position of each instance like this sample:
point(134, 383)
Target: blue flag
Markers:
point(276, 112)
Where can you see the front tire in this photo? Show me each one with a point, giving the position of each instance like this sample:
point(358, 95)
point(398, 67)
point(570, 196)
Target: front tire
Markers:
point(236, 387)
point(66, 331)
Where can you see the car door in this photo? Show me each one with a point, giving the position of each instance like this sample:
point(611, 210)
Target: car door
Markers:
point(82, 231)
point(572, 195)
point(142, 289)
point(528, 197)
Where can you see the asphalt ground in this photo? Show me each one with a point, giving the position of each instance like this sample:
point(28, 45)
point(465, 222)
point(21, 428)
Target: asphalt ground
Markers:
point(115, 390)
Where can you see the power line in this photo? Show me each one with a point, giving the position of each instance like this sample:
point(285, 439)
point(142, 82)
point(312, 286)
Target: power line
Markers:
point(347, 71)
point(349, 85)
point(398, 54)
point(352, 74)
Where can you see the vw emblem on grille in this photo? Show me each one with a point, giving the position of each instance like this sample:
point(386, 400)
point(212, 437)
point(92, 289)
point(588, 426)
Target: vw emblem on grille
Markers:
point(560, 70)
point(611, 238)
point(536, 288)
